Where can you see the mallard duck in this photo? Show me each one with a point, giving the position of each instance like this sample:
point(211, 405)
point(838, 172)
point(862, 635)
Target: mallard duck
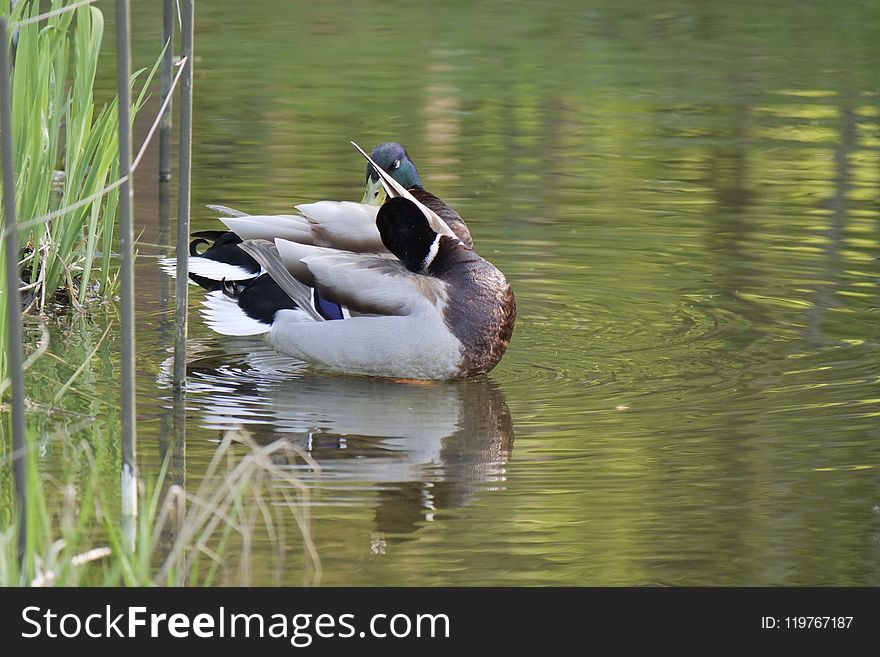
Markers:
point(437, 310)
point(215, 255)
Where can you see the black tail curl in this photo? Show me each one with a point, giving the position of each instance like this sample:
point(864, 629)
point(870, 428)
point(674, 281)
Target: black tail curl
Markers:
point(222, 247)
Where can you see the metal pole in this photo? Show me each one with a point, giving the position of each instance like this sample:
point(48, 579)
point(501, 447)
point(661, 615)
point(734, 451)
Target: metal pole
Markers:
point(167, 61)
point(13, 297)
point(126, 248)
point(183, 199)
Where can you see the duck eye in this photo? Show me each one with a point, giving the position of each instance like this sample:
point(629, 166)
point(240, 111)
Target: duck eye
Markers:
point(396, 164)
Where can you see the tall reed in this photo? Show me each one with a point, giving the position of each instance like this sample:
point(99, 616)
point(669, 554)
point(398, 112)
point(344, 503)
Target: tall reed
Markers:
point(66, 150)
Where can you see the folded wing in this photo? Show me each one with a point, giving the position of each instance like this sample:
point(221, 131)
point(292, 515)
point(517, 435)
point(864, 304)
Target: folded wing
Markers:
point(365, 283)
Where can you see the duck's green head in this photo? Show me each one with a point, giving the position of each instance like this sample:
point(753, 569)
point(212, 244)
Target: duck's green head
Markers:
point(394, 159)
point(406, 233)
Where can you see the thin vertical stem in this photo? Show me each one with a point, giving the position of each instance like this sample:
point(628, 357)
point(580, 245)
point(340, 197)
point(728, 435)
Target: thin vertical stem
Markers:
point(126, 248)
point(167, 63)
point(13, 297)
point(165, 158)
point(183, 199)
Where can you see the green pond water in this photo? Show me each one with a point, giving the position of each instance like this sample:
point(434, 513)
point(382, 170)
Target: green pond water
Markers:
point(686, 200)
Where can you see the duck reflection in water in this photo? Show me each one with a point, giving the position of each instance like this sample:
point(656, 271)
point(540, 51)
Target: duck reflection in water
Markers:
point(421, 447)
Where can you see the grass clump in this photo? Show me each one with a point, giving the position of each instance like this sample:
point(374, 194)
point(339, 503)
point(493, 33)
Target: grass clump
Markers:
point(180, 539)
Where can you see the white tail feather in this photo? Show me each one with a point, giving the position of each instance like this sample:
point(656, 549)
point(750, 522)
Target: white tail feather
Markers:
point(169, 266)
point(223, 315)
point(216, 271)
